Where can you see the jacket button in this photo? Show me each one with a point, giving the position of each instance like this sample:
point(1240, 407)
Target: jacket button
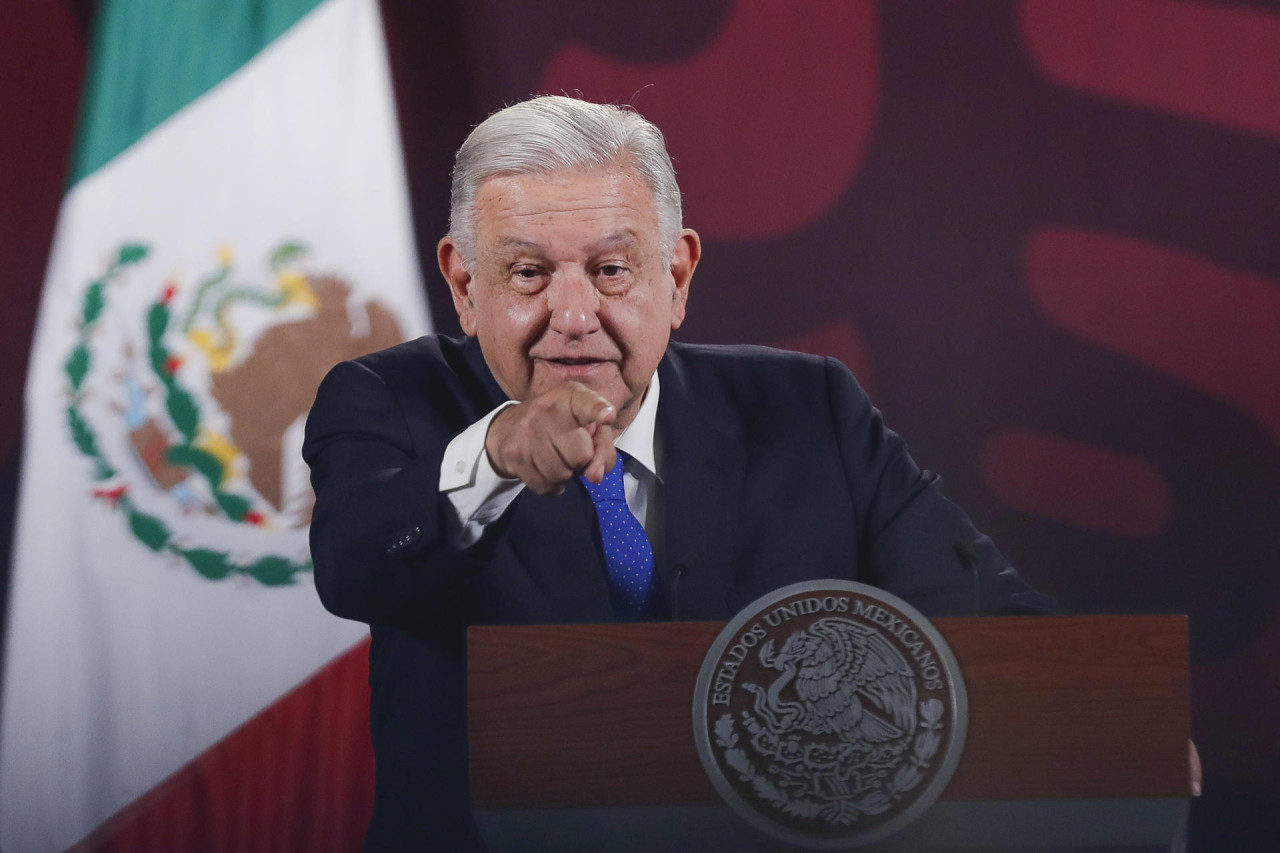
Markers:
point(403, 539)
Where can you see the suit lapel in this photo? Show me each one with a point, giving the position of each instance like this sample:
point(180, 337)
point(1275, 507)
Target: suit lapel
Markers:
point(553, 537)
point(702, 472)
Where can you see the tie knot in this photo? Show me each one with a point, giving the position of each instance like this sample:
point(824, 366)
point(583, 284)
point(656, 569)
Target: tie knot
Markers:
point(610, 488)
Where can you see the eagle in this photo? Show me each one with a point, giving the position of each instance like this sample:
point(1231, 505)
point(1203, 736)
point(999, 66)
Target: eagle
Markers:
point(849, 680)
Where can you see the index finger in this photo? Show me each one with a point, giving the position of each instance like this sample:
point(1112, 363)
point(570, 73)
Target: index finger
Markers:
point(603, 454)
point(588, 407)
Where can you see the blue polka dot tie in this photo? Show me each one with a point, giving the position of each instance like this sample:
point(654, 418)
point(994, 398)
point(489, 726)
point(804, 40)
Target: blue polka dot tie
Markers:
point(627, 552)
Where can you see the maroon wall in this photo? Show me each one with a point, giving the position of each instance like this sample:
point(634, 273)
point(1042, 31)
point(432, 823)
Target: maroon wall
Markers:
point(1044, 234)
point(41, 65)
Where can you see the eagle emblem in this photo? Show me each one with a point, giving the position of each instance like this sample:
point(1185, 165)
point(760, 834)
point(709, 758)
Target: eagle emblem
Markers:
point(847, 680)
point(829, 713)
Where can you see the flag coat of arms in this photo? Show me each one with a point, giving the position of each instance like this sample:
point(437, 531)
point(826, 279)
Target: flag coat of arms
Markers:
point(237, 222)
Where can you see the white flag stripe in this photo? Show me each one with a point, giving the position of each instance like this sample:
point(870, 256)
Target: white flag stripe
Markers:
point(121, 663)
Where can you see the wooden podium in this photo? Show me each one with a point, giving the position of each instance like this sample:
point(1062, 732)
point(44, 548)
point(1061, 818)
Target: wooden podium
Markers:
point(581, 738)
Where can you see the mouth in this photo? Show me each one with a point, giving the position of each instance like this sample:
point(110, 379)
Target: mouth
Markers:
point(575, 368)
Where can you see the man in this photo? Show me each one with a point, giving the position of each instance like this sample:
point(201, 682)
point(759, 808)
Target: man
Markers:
point(456, 480)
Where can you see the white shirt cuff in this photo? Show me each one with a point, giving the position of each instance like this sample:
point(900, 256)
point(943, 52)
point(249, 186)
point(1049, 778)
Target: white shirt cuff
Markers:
point(475, 491)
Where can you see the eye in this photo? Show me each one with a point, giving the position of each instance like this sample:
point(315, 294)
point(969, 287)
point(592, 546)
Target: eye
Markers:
point(613, 278)
point(528, 279)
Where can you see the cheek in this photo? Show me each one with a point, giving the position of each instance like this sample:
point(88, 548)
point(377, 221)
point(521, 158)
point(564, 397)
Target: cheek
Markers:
point(508, 316)
point(524, 317)
point(512, 327)
point(644, 342)
point(523, 324)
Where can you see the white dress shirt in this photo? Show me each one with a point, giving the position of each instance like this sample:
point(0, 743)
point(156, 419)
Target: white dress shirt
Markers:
point(479, 496)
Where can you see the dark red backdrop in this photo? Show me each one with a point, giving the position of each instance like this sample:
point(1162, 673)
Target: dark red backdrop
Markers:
point(1043, 233)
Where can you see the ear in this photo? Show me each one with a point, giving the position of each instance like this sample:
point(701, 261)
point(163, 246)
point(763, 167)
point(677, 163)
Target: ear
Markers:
point(684, 260)
point(455, 273)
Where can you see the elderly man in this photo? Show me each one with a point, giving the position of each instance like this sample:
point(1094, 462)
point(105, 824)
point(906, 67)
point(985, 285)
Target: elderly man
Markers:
point(567, 462)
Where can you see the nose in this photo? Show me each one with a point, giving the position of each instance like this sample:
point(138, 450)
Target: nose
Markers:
point(573, 303)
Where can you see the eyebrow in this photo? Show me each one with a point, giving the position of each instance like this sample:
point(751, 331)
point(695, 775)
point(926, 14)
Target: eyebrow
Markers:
point(618, 238)
point(626, 237)
point(517, 243)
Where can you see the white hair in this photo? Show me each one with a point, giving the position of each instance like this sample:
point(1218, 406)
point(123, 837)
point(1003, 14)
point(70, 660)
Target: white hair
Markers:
point(551, 133)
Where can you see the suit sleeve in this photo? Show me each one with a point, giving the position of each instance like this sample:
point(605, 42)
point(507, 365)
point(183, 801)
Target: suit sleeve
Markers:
point(380, 532)
point(908, 529)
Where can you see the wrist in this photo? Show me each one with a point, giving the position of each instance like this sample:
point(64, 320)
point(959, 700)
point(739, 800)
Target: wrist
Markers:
point(493, 443)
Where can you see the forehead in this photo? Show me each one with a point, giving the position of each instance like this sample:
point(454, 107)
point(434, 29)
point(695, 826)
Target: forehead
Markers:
point(578, 208)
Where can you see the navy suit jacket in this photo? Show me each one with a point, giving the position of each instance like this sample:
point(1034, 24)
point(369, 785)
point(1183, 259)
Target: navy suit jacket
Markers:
point(775, 469)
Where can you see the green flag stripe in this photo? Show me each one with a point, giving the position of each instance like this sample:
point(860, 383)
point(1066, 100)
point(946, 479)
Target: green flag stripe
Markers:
point(150, 58)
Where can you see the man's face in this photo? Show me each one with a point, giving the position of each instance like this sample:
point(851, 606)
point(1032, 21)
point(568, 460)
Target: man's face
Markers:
point(570, 284)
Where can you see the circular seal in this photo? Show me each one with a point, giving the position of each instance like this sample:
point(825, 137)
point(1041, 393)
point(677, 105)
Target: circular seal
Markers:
point(829, 714)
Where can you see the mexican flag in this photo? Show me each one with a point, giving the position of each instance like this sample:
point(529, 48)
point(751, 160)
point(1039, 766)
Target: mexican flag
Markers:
point(237, 222)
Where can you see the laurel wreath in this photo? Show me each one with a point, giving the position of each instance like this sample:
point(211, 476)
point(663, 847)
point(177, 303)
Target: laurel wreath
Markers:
point(184, 414)
point(845, 810)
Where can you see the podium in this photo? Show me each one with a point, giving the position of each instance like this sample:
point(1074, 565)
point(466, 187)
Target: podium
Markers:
point(581, 738)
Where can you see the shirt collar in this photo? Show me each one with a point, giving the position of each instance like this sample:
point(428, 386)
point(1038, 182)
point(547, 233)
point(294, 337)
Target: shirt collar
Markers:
point(637, 440)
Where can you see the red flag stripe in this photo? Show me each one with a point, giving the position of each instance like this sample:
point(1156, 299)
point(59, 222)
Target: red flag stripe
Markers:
point(297, 776)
